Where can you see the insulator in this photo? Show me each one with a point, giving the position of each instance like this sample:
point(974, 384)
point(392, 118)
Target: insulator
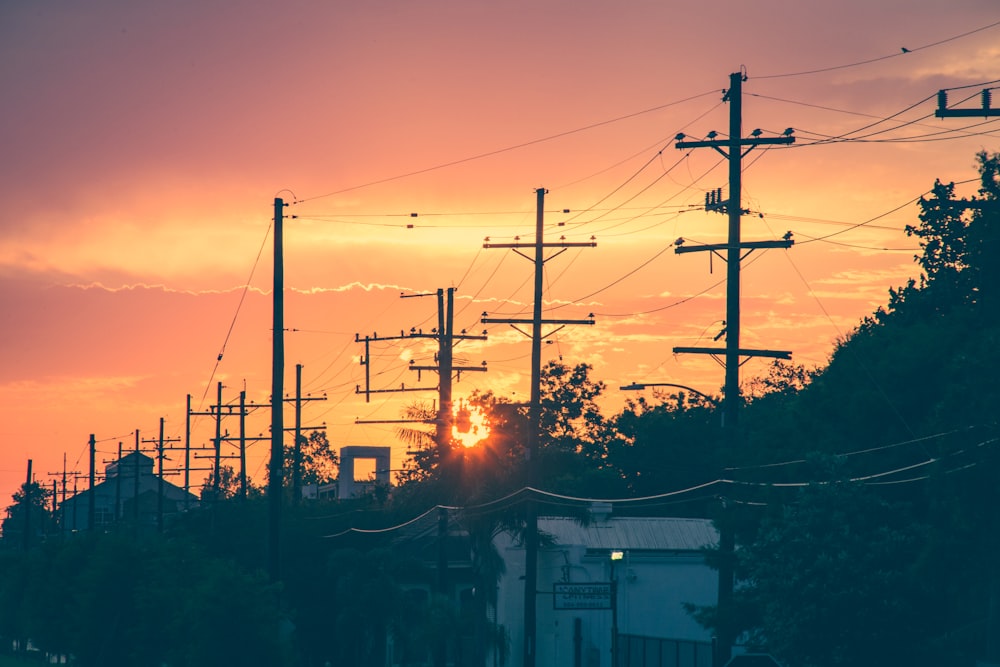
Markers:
point(986, 98)
point(942, 99)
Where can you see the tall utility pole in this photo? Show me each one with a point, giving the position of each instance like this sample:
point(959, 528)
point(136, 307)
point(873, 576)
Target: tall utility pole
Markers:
point(534, 409)
point(135, 484)
point(444, 419)
point(274, 481)
point(118, 488)
point(992, 649)
point(243, 444)
point(27, 509)
point(214, 411)
point(64, 475)
point(733, 149)
point(218, 411)
point(91, 499)
point(160, 443)
point(297, 446)
point(298, 400)
point(217, 471)
point(187, 454)
point(445, 366)
point(159, 481)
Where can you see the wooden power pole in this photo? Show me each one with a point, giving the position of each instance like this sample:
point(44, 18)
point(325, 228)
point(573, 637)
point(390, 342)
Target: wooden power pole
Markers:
point(534, 409)
point(274, 482)
point(992, 651)
point(733, 149)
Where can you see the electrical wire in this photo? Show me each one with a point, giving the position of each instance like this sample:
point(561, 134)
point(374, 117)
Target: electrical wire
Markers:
point(239, 306)
point(869, 61)
point(508, 149)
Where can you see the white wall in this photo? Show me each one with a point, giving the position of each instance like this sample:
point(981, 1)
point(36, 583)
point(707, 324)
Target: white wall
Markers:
point(651, 591)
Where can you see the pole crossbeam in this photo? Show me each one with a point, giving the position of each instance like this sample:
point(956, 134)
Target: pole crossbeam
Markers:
point(743, 245)
point(720, 143)
point(986, 111)
point(561, 244)
point(457, 369)
point(490, 320)
point(446, 337)
point(743, 352)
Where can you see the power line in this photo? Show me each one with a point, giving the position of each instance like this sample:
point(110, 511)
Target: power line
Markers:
point(239, 306)
point(508, 149)
point(902, 52)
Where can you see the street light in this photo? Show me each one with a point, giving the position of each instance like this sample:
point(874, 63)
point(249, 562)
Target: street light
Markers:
point(643, 385)
point(616, 555)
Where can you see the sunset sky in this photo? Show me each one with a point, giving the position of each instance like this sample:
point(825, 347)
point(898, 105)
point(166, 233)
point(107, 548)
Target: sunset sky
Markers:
point(144, 143)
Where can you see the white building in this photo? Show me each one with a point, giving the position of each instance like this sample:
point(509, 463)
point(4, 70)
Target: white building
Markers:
point(661, 568)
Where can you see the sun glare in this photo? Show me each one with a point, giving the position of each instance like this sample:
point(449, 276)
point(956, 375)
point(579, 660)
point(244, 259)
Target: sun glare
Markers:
point(476, 431)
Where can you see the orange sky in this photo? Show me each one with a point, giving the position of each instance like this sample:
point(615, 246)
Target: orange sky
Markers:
point(145, 142)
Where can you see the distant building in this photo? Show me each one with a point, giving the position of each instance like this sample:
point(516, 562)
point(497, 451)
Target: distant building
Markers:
point(353, 482)
point(660, 566)
point(131, 492)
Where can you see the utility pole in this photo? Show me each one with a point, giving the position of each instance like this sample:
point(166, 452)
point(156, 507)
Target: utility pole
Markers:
point(298, 399)
point(217, 411)
point(274, 481)
point(445, 367)
point(27, 509)
point(91, 499)
point(159, 481)
point(65, 485)
point(160, 456)
point(118, 488)
point(733, 149)
point(992, 649)
point(135, 485)
point(242, 411)
point(216, 475)
point(534, 410)
point(297, 446)
point(243, 444)
point(187, 453)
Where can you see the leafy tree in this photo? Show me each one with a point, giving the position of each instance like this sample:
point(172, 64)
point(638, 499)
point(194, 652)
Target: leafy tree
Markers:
point(110, 600)
point(229, 485)
point(958, 241)
point(318, 463)
point(671, 445)
point(426, 453)
point(31, 509)
point(575, 435)
point(832, 581)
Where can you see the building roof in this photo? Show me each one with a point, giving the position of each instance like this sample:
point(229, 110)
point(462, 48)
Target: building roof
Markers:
point(632, 533)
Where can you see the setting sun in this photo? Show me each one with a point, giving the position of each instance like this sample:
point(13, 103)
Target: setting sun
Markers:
point(470, 426)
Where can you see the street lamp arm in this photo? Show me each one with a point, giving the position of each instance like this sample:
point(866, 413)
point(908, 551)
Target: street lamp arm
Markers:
point(643, 385)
